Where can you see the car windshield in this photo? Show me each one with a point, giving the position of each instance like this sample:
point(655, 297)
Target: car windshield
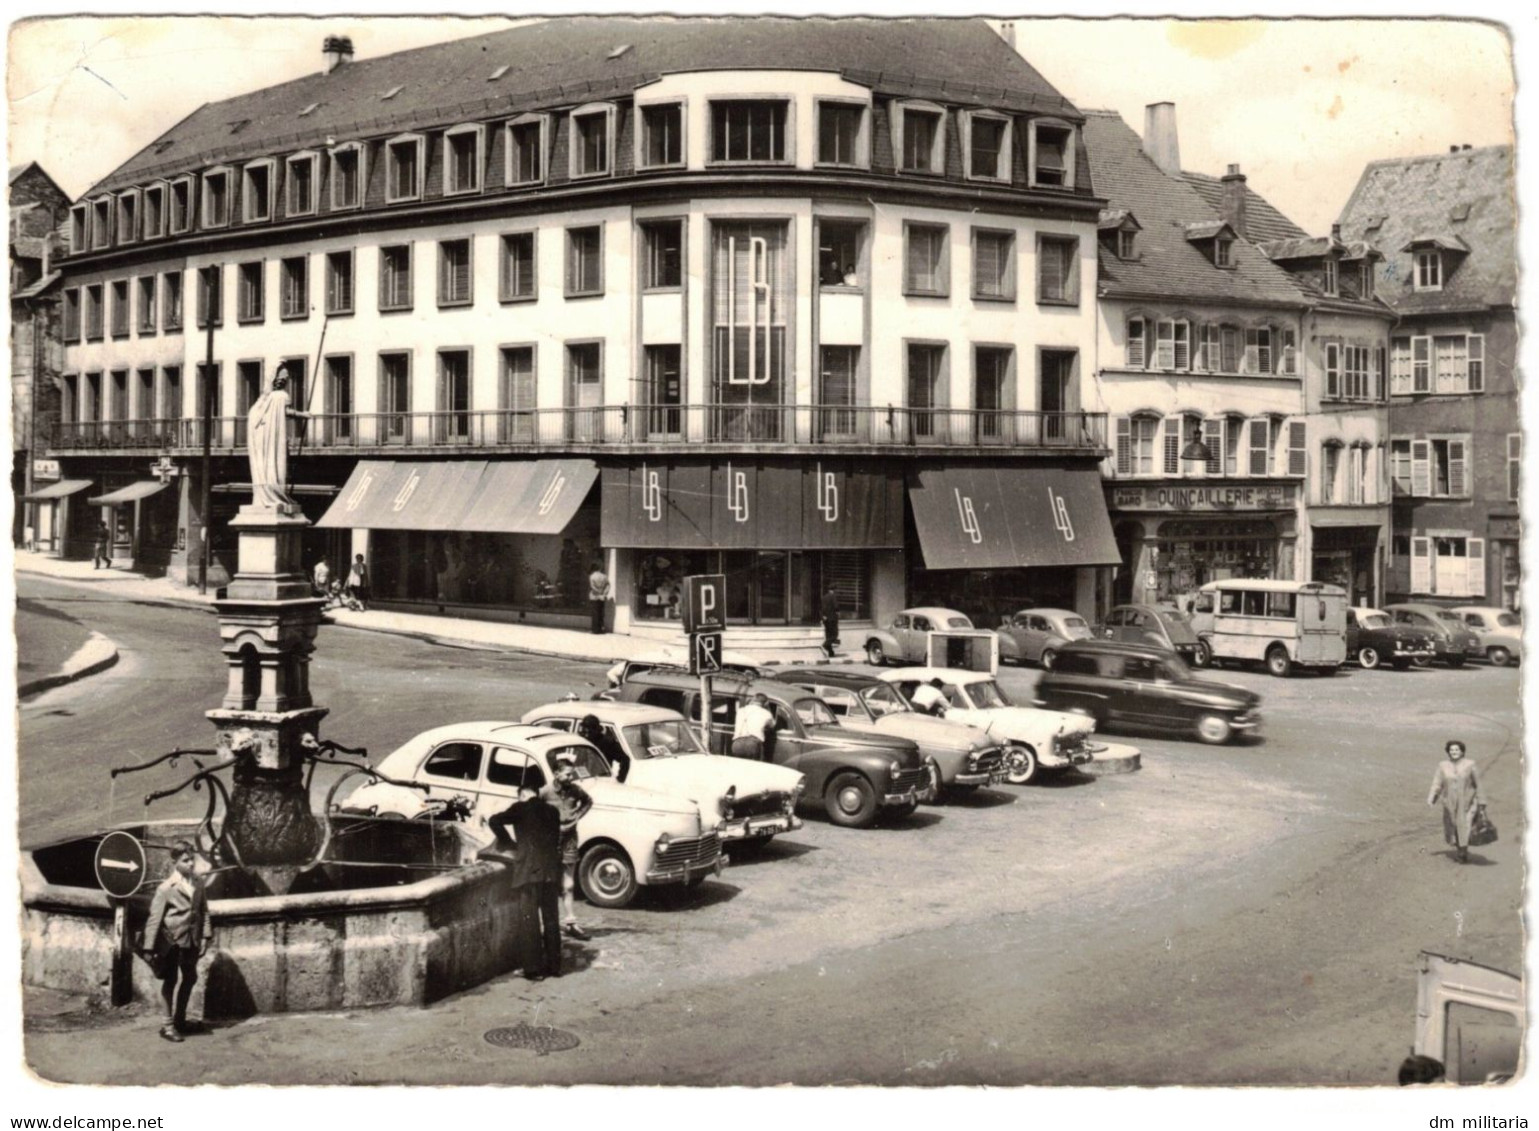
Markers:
point(985, 694)
point(661, 739)
point(1455, 617)
point(590, 763)
point(884, 699)
point(1175, 615)
point(1374, 620)
point(1508, 620)
point(958, 622)
point(814, 713)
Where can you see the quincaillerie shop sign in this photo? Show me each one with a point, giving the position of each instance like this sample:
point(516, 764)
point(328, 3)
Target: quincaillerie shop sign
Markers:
point(1222, 497)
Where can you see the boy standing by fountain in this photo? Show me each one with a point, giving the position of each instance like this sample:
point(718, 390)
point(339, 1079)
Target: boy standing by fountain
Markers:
point(179, 929)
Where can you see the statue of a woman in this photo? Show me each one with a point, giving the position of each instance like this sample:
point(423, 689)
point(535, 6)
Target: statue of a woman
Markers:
point(267, 445)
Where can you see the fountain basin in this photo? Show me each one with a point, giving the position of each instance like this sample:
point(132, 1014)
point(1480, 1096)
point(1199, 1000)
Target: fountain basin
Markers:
point(400, 914)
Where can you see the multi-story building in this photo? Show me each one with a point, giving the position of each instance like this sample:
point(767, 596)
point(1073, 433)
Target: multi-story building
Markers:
point(1448, 228)
point(1242, 365)
point(38, 209)
point(802, 302)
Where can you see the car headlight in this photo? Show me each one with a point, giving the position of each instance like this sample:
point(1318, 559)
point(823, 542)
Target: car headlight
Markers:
point(728, 800)
point(894, 769)
point(663, 842)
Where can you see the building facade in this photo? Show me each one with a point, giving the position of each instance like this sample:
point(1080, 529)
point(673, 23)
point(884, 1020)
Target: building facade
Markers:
point(1242, 365)
point(1448, 227)
point(602, 290)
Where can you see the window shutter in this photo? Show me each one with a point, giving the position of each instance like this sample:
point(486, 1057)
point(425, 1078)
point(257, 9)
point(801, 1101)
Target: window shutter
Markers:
point(1136, 343)
point(1458, 469)
point(1124, 445)
point(1475, 564)
point(1298, 458)
point(1211, 354)
point(1289, 353)
point(1477, 363)
point(1052, 279)
point(1213, 440)
point(1260, 437)
point(1251, 361)
point(1173, 445)
point(1070, 252)
point(988, 271)
point(1421, 365)
point(1514, 464)
point(1164, 345)
point(1183, 353)
point(1421, 565)
point(1333, 370)
point(1421, 468)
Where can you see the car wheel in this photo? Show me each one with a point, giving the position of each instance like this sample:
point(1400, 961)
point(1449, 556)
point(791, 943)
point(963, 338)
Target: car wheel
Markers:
point(936, 787)
point(1369, 658)
point(1456, 661)
point(1422, 661)
point(607, 876)
point(850, 801)
point(1213, 729)
point(1049, 658)
point(1499, 656)
point(1277, 661)
point(1204, 655)
point(1020, 765)
point(874, 654)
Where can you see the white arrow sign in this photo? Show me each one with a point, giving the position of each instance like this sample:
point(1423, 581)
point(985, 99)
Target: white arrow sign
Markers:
point(121, 865)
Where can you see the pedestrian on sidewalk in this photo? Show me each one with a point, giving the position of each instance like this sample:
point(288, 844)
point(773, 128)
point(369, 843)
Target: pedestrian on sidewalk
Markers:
point(599, 592)
point(101, 554)
point(178, 934)
point(528, 840)
point(829, 611)
point(358, 582)
point(322, 577)
point(572, 802)
point(1457, 783)
point(750, 733)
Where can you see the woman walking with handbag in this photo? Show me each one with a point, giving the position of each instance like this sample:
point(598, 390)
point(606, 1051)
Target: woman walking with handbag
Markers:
point(1457, 783)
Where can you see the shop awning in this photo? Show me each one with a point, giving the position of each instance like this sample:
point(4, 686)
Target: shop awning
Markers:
point(524, 497)
point(57, 490)
point(142, 489)
point(752, 504)
point(985, 516)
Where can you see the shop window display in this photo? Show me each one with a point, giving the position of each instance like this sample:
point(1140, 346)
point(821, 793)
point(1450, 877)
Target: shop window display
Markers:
point(763, 586)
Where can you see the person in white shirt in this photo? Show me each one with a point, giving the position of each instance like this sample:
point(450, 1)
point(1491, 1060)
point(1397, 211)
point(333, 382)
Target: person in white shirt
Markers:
point(929, 698)
point(751, 731)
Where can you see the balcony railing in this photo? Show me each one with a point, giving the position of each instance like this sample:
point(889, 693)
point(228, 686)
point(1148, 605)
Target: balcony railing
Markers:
point(623, 425)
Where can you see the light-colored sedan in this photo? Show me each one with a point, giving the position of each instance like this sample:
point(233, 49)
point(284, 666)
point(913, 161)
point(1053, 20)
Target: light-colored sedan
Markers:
point(907, 638)
point(631, 837)
point(655, 748)
point(1036, 740)
point(1500, 631)
point(1033, 636)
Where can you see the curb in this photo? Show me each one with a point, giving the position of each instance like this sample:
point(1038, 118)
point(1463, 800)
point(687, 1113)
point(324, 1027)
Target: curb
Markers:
point(96, 655)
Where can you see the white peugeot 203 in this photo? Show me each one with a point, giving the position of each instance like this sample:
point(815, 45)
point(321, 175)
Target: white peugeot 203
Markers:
point(631, 837)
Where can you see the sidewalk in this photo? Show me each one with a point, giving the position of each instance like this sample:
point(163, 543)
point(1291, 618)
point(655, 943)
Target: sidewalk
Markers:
point(494, 635)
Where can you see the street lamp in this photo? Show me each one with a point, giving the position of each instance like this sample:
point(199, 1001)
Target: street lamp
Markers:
point(1195, 450)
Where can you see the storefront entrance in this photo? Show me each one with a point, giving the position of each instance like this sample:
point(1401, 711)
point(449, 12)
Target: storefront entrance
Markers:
point(1347, 556)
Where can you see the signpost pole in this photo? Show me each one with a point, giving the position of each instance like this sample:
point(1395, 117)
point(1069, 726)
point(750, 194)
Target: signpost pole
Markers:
point(705, 707)
point(122, 956)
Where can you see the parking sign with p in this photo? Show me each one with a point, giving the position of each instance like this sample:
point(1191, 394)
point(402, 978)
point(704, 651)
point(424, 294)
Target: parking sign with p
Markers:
point(705, 603)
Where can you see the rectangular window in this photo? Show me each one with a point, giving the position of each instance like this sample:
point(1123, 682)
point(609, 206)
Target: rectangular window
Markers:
point(662, 135)
point(1135, 444)
point(171, 392)
point(1173, 441)
point(1289, 352)
point(1298, 453)
point(339, 282)
point(664, 391)
point(1328, 279)
point(250, 297)
point(300, 186)
point(926, 388)
point(117, 406)
point(171, 309)
point(991, 393)
point(210, 297)
point(248, 387)
point(1137, 351)
point(590, 143)
point(839, 133)
point(79, 229)
point(1052, 154)
point(662, 254)
point(462, 160)
point(1230, 349)
point(1449, 374)
point(256, 193)
point(837, 391)
point(1476, 363)
point(517, 276)
point(1260, 447)
point(394, 396)
point(339, 400)
point(346, 177)
point(1514, 464)
point(748, 130)
point(1400, 466)
point(95, 314)
point(839, 259)
point(147, 316)
point(1429, 271)
point(526, 164)
point(1449, 468)
point(987, 148)
point(71, 315)
point(181, 206)
point(216, 199)
point(1400, 366)
point(1332, 370)
point(120, 311)
point(101, 223)
point(584, 390)
point(128, 217)
point(1421, 365)
point(993, 265)
point(516, 395)
point(294, 279)
point(454, 278)
point(453, 396)
point(927, 269)
point(395, 286)
point(922, 151)
point(584, 261)
point(1172, 345)
point(209, 392)
point(403, 169)
point(1258, 350)
point(1058, 269)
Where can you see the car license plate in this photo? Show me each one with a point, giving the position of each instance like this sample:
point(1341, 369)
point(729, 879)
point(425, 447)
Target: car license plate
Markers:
point(764, 828)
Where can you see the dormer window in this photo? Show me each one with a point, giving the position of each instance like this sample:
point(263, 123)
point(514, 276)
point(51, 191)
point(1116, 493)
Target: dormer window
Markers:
point(1051, 157)
point(79, 229)
point(462, 159)
point(1328, 281)
point(842, 134)
point(256, 196)
point(128, 216)
point(403, 168)
point(592, 140)
point(921, 137)
point(1127, 244)
point(101, 223)
point(748, 130)
point(660, 142)
point(988, 146)
point(216, 198)
point(346, 176)
point(301, 182)
point(181, 205)
point(153, 222)
point(1429, 271)
point(1223, 252)
point(1365, 279)
point(526, 150)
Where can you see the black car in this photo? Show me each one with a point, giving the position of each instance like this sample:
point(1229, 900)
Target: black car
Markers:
point(1141, 685)
point(854, 776)
point(1373, 638)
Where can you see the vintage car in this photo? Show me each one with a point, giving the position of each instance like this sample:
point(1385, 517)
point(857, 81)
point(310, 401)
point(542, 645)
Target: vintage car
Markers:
point(1470, 1021)
point(1452, 641)
point(1373, 638)
point(959, 756)
point(1036, 741)
point(854, 776)
point(630, 837)
point(676, 658)
point(1159, 625)
point(1145, 686)
point(1500, 631)
point(657, 749)
point(1033, 636)
point(907, 639)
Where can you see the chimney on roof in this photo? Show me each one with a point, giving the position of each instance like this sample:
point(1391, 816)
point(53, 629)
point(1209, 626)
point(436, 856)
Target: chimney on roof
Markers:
point(1161, 145)
point(1007, 32)
point(338, 49)
point(1336, 232)
point(1234, 200)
